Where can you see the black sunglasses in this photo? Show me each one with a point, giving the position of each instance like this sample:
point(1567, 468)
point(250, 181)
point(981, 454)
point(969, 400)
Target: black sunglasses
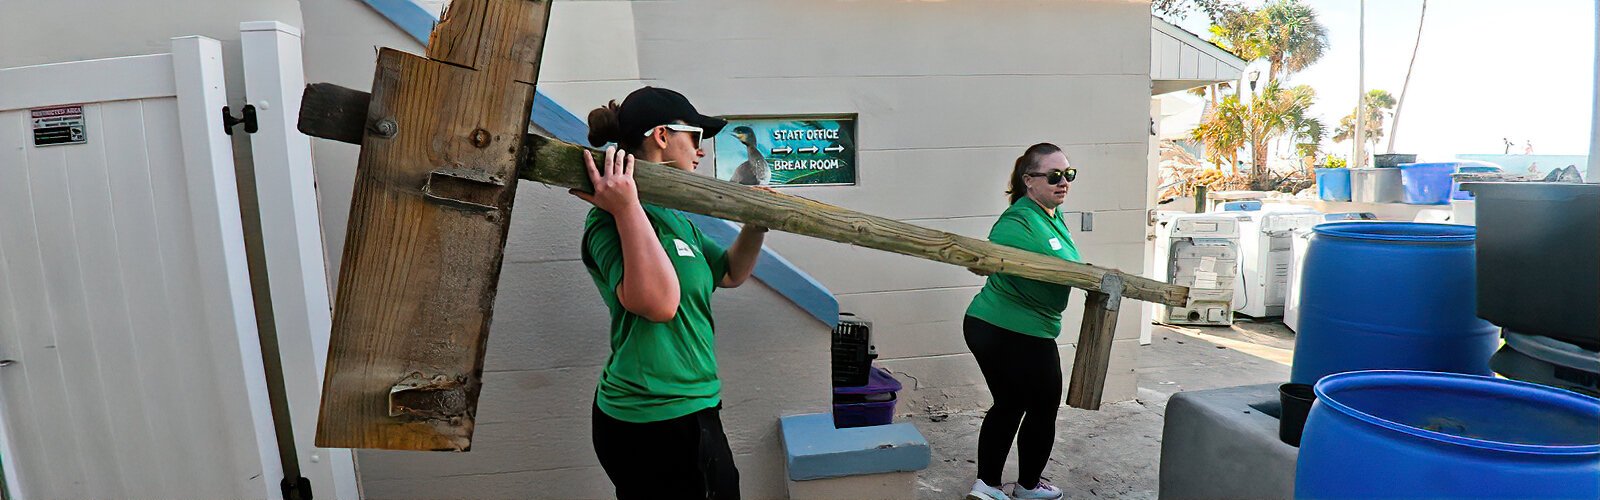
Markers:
point(1055, 176)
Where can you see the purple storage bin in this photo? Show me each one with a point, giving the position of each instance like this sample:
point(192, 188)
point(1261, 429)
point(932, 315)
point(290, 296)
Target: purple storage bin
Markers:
point(866, 405)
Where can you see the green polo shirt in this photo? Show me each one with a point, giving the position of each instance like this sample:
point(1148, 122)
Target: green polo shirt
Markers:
point(658, 371)
point(1019, 304)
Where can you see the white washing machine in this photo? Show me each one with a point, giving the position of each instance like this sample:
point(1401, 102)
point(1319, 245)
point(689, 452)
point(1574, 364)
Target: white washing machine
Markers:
point(1262, 285)
point(1200, 251)
point(1298, 242)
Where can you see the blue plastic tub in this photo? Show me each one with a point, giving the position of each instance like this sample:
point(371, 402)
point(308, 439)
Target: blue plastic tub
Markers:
point(1399, 434)
point(1390, 295)
point(866, 405)
point(1427, 183)
point(1333, 184)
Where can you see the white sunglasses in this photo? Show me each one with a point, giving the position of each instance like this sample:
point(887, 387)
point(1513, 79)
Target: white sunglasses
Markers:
point(678, 127)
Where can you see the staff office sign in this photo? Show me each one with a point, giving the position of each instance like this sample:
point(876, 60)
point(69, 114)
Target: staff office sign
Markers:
point(58, 125)
point(788, 150)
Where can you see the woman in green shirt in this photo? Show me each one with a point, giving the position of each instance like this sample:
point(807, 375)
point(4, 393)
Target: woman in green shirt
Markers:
point(656, 427)
point(1011, 328)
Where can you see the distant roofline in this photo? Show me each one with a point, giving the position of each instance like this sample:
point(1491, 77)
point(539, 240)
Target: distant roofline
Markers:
point(1195, 41)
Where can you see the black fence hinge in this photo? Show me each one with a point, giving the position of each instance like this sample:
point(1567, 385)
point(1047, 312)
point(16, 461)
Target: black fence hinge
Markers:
point(296, 488)
point(249, 120)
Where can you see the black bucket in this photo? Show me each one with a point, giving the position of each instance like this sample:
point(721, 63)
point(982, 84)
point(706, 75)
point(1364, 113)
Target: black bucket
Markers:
point(1392, 160)
point(1296, 400)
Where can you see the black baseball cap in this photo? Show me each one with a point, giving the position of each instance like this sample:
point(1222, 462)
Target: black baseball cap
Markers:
point(650, 107)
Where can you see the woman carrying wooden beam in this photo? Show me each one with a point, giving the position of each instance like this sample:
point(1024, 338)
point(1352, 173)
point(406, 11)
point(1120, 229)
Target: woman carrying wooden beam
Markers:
point(656, 423)
point(1012, 325)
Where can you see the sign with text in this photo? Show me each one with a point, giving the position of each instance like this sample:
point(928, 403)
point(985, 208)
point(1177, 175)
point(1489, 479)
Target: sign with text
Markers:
point(58, 125)
point(787, 151)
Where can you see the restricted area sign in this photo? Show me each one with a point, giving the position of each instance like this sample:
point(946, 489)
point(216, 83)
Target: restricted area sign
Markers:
point(58, 125)
point(787, 150)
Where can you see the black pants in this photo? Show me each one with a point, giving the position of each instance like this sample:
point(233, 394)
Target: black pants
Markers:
point(1024, 376)
point(685, 457)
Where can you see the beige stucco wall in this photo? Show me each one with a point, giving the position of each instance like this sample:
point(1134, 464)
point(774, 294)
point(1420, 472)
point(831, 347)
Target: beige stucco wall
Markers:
point(948, 93)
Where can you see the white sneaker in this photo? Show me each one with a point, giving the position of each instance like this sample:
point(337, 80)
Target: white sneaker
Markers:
point(981, 491)
point(1042, 491)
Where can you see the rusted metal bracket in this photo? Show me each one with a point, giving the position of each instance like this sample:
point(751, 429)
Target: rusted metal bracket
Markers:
point(463, 188)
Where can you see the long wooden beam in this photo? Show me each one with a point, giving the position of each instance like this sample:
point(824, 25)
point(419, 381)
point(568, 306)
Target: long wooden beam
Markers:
point(558, 163)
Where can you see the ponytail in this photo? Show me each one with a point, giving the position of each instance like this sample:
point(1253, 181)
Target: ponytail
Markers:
point(1025, 164)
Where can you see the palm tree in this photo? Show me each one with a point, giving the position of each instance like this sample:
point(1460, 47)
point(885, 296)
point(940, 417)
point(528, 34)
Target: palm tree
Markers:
point(1307, 132)
point(1233, 125)
point(1377, 103)
point(1285, 32)
point(1269, 116)
point(1394, 130)
point(1221, 131)
point(1288, 36)
point(1291, 38)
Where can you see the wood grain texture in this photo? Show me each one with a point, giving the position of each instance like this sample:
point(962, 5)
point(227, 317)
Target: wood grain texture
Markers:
point(1092, 357)
point(420, 265)
point(332, 112)
point(558, 163)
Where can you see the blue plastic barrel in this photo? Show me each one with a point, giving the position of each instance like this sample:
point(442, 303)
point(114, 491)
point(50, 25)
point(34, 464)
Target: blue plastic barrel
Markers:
point(1390, 295)
point(1333, 184)
point(1427, 183)
point(1401, 434)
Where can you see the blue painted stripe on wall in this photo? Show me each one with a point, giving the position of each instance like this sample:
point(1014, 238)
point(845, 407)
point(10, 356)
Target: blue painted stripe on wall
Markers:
point(556, 120)
point(774, 270)
point(547, 114)
point(777, 272)
point(408, 15)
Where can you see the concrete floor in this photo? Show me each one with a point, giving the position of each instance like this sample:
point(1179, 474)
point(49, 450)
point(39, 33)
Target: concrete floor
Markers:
point(1115, 452)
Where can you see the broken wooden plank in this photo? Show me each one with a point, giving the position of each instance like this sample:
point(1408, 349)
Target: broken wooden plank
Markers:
point(558, 163)
point(428, 222)
point(333, 112)
point(1091, 358)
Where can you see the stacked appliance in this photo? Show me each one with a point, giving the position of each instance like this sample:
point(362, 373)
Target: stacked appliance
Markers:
point(1200, 251)
point(1266, 257)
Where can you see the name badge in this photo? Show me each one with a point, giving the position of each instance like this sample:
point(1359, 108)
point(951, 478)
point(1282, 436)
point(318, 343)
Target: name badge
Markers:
point(1055, 244)
point(684, 250)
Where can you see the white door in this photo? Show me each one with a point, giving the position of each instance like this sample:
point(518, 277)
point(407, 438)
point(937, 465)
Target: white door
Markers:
point(125, 305)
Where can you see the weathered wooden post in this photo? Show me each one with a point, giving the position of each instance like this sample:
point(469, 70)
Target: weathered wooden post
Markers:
point(428, 222)
point(442, 144)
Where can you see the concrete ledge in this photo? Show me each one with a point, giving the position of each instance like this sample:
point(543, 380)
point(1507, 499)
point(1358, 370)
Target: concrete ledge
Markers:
point(814, 449)
point(889, 485)
point(1217, 444)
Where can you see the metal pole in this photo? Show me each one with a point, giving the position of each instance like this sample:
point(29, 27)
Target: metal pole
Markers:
point(1594, 123)
point(1360, 157)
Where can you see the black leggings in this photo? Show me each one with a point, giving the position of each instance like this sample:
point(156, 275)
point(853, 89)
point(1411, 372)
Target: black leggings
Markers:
point(685, 457)
point(1024, 376)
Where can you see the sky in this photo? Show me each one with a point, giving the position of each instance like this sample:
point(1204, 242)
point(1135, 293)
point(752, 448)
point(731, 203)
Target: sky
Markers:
point(1486, 70)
